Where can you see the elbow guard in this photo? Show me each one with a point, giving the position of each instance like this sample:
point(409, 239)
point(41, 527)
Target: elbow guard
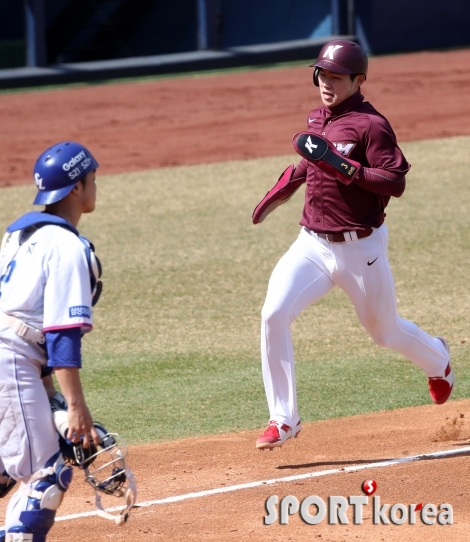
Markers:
point(323, 154)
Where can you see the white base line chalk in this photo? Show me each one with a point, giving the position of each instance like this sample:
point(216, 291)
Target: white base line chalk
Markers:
point(273, 481)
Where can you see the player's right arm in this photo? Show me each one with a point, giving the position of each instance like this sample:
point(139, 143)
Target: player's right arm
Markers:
point(67, 315)
point(80, 422)
point(288, 183)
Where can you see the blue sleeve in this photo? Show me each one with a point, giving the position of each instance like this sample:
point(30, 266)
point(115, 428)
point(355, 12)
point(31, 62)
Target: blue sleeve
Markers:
point(64, 348)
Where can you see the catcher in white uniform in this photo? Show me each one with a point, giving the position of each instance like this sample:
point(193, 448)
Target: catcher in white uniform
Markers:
point(6, 481)
point(48, 283)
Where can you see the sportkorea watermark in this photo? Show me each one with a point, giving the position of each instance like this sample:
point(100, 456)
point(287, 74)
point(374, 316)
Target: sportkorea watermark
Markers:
point(339, 510)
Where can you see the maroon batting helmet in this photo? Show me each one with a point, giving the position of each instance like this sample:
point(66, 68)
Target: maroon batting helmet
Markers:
point(341, 56)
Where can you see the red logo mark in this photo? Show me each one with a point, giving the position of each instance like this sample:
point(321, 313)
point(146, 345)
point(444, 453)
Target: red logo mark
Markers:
point(418, 506)
point(369, 487)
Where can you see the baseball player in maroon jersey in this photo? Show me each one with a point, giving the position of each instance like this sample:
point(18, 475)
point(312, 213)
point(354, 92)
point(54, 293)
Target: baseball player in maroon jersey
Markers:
point(352, 165)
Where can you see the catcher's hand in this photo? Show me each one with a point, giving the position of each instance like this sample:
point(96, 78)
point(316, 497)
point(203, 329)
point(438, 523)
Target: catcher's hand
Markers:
point(323, 154)
point(281, 192)
point(60, 417)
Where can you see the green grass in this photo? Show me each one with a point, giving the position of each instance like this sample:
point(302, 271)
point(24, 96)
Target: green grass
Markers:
point(175, 349)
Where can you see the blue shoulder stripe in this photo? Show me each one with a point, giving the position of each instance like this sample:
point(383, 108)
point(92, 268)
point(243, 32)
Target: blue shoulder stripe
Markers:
point(38, 218)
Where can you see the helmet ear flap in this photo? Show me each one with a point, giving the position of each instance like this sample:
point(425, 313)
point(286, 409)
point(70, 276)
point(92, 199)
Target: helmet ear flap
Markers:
point(316, 71)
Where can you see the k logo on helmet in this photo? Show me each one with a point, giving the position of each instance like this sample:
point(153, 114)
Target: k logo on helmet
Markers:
point(330, 51)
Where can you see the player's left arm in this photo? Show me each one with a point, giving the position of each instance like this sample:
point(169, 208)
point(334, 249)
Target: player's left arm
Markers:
point(385, 173)
point(386, 168)
point(381, 181)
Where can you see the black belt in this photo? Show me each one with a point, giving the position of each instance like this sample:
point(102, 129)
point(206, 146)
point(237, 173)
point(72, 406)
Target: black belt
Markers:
point(346, 236)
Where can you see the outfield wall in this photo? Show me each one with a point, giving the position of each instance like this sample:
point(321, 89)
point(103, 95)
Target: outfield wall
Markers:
point(404, 25)
point(114, 29)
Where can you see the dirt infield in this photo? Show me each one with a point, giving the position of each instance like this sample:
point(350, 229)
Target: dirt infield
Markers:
point(194, 465)
point(132, 127)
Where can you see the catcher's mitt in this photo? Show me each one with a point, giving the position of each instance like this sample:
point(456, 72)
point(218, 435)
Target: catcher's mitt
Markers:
point(323, 154)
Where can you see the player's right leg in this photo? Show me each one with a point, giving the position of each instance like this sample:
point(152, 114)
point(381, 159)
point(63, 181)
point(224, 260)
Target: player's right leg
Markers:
point(298, 280)
point(30, 450)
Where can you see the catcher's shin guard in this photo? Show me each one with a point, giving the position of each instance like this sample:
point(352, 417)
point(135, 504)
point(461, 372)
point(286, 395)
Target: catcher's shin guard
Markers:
point(323, 154)
point(34, 505)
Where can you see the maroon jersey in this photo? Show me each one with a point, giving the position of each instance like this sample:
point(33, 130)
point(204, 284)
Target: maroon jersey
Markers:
point(360, 132)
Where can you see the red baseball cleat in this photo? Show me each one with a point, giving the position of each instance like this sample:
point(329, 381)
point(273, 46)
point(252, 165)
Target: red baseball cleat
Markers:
point(276, 434)
point(440, 387)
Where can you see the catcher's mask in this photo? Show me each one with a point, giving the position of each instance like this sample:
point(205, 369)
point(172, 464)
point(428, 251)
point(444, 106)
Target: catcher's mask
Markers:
point(107, 472)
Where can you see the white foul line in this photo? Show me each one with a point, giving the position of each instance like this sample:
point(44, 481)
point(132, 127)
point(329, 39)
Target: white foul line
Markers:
point(260, 483)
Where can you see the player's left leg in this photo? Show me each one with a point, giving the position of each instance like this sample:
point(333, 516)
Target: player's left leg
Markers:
point(367, 279)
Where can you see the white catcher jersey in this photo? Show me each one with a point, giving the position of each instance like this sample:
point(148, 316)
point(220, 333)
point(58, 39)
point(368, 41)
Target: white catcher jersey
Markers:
point(45, 282)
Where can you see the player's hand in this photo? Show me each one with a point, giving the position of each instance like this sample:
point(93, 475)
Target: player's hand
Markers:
point(81, 426)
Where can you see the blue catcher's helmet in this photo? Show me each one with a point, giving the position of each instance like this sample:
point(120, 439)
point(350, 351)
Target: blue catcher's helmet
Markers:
point(59, 169)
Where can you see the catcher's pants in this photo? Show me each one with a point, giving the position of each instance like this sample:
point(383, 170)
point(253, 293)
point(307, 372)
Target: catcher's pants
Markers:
point(309, 270)
point(28, 438)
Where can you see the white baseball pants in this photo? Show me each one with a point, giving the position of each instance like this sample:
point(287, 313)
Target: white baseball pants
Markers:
point(28, 438)
point(309, 270)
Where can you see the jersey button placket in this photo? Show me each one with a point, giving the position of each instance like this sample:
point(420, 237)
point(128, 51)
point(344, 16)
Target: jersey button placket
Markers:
point(317, 206)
